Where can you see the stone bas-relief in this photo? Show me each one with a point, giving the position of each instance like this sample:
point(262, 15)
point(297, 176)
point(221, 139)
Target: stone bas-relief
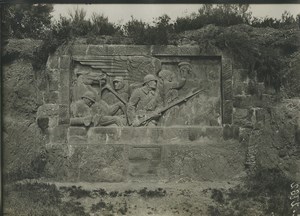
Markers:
point(143, 101)
point(166, 95)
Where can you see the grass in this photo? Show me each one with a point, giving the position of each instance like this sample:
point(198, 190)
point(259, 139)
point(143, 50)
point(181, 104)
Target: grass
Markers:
point(266, 192)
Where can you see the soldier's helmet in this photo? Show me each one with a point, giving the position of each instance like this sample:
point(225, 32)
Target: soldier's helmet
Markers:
point(149, 78)
point(89, 95)
point(184, 64)
point(165, 74)
point(118, 79)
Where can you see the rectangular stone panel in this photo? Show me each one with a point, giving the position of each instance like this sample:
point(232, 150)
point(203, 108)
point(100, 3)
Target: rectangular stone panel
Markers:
point(226, 69)
point(77, 131)
point(144, 161)
point(58, 134)
point(64, 114)
point(64, 86)
point(53, 62)
point(65, 62)
point(79, 50)
point(145, 168)
point(97, 163)
point(152, 135)
point(227, 112)
point(145, 153)
point(227, 89)
point(129, 50)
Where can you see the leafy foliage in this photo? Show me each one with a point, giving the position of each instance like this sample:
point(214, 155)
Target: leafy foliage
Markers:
point(220, 15)
point(27, 20)
point(226, 27)
point(143, 33)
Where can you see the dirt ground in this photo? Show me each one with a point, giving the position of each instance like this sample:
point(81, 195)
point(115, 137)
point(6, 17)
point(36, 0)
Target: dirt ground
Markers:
point(135, 199)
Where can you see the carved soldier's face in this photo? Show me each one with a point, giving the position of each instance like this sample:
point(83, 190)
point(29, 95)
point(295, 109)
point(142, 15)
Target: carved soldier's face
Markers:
point(88, 101)
point(184, 71)
point(152, 85)
point(118, 85)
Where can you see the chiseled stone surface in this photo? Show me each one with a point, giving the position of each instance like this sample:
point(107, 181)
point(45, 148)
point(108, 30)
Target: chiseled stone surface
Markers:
point(188, 141)
point(210, 160)
point(143, 50)
point(149, 135)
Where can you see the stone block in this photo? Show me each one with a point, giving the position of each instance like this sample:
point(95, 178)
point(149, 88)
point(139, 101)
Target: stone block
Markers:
point(243, 101)
point(53, 85)
point(64, 90)
point(53, 62)
point(261, 89)
point(159, 50)
point(243, 117)
point(96, 50)
point(129, 50)
point(47, 110)
point(77, 139)
point(144, 168)
point(64, 114)
point(65, 62)
point(227, 89)
point(260, 114)
point(152, 135)
point(226, 69)
point(214, 161)
point(51, 97)
point(77, 131)
point(144, 161)
point(240, 75)
point(53, 122)
point(58, 134)
point(98, 163)
point(56, 167)
point(230, 132)
point(104, 135)
point(188, 50)
point(249, 101)
point(79, 50)
point(227, 112)
point(145, 153)
point(244, 135)
point(240, 88)
point(214, 132)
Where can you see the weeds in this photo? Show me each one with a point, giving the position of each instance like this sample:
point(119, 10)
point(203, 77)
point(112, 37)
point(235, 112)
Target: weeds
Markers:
point(264, 193)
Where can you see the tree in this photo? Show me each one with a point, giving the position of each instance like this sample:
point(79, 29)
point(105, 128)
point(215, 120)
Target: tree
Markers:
point(28, 20)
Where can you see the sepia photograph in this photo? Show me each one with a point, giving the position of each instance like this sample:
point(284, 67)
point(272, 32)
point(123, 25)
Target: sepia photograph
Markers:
point(150, 109)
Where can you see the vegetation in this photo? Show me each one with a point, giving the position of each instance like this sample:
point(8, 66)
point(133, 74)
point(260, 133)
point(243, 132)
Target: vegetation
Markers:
point(266, 192)
point(266, 57)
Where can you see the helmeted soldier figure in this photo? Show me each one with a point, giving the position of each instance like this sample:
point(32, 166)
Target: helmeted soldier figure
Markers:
point(169, 87)
point(119, 87)
point(144, 100)
point(87, 111)
point(185, 70)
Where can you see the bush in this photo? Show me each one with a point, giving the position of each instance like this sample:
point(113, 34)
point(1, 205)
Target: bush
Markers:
point(25, 20)
point(143, 33)
point(220, 15)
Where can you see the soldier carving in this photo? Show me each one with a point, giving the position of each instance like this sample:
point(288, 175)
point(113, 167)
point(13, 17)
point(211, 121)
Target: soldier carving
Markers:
point(143, 101)
point(87, 112)
point(169, 86)
point(185, 70)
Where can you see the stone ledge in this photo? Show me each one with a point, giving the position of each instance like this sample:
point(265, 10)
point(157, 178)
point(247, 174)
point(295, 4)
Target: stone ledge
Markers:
point(138, 50)
point(150, 135)
point(248, 101)
point(218, 160)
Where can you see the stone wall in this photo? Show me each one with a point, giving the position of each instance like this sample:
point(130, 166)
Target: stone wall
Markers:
point(189, 133)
